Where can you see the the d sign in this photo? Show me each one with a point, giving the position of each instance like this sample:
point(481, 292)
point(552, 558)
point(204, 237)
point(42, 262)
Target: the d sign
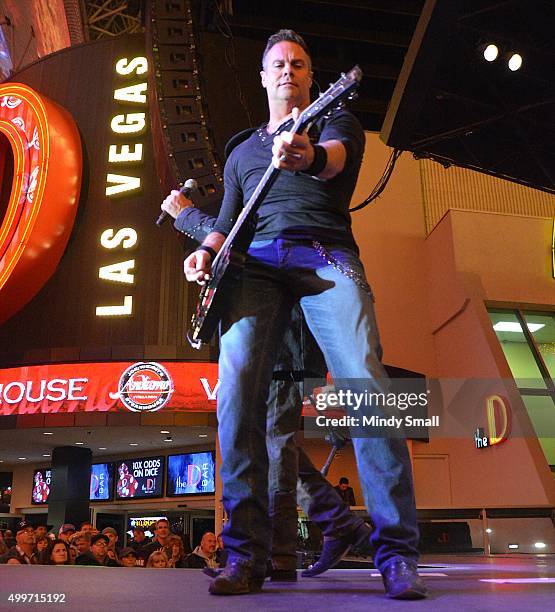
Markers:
point(44, 196)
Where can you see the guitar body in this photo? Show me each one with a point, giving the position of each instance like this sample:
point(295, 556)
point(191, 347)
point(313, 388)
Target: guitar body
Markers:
point(212, 298)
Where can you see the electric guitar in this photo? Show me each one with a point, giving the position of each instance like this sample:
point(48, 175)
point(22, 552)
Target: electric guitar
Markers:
point(229, 261)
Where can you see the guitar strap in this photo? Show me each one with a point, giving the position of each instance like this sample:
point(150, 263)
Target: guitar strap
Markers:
point(237, 139)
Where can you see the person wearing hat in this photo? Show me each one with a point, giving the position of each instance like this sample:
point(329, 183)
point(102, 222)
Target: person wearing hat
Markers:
point(24, 549)
point(113, 548)
point(128, 557)
point(66, 531)
point(98, 554)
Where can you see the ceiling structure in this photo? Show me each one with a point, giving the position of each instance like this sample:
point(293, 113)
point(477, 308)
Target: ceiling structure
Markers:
point(375, 34)
point(449, 104)
point(452, 105)
point(29, 446)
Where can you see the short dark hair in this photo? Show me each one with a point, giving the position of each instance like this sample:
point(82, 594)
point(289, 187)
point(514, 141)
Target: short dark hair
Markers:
point(343, 480)
point(284, 36)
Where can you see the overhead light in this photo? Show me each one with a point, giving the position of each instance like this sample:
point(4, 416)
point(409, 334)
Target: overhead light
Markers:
point(46, 455)
point(513, 546)
point(489, 530)
point(79, 443)
point(540, 544)
point(168, 439)
point(491, 52)
point(101, 448)
point(1, 460)
point(511, 326)
point(22, 458)
point(515, 62)
point(203, 435)
point(133, 444)
point(164, 431)
point(47, 433)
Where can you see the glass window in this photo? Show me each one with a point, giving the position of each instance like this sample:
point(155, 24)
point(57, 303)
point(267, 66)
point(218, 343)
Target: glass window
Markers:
point(544, 335)
point(517, 351)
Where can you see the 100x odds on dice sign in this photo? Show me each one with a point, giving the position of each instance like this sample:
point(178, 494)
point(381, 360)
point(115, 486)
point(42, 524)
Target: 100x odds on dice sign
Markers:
point(140, 387)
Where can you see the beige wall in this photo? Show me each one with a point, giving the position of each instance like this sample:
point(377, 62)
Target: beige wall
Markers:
point(431, 295)
point(390, 235)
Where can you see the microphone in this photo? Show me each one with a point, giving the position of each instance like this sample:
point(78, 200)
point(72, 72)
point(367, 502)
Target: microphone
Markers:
point(189, 186)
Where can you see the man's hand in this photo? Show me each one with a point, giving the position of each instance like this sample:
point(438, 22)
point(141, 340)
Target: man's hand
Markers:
point(293, 152)
point(175, 203)
point(197, 267)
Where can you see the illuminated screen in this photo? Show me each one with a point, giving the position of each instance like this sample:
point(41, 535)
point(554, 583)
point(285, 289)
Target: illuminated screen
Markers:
point(41, 486)
point(191, 474)
point(138, 478)
point(102, 482)
point(146, 522)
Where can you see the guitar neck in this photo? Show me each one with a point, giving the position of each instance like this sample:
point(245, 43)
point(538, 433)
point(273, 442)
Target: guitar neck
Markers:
point(250, 207)
point(255, 200)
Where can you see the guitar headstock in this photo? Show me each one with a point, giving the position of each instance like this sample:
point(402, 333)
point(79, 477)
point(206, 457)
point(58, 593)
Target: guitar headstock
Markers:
point(334, 98)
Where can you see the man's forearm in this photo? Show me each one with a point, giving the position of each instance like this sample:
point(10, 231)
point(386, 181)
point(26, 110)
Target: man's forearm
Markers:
point(337, 156)
point(214, 240)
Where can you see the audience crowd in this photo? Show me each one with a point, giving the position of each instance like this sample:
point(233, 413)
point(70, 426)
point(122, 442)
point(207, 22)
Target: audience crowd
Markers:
point(39, 545)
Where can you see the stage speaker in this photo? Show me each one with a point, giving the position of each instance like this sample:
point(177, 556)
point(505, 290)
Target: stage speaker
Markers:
point(182, 141)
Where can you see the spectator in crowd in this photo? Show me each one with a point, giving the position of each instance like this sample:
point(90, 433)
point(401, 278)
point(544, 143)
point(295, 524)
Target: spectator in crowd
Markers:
point(98, 554)
point(57, 553)
point(3, 545)
point(345, 491)
point(178, 557)
point(12, 559)
point(113, 547)
point(66, 531)
point(161, 540)
point(204, 554)
point(24, 549)
point(221, 552)
point(41, 529)
point(128, 557)
point(82, 541)
point(73, 553)
point(8, 538)
point(87, 527)
point(139, 538)
point(157, 559)
point(41, 544)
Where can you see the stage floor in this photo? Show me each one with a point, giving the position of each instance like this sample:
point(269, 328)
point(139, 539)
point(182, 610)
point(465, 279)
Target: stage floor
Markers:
point(457, 583)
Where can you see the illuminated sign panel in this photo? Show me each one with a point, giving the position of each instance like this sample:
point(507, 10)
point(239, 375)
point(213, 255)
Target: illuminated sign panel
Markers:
point(498, 423)
point(104, 387)
point(41, 486)
point(191, 474)
point(44, 195)
point(140, 478)
point(119, 185)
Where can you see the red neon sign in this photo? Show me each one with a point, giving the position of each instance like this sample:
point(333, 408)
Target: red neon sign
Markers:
point(44, 195)
point(105, 387)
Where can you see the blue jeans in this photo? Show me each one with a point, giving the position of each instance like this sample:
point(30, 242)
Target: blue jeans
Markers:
point(338, 308)
point(318, 499)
